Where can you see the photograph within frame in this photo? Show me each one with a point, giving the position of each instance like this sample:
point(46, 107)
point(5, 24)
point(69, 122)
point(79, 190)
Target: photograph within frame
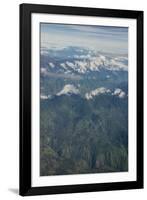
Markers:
point(83, 108)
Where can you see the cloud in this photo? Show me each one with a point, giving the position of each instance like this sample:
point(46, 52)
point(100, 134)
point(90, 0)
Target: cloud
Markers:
point(88, 56)
point(108, 39)
point(116, 64)
point(44, 51)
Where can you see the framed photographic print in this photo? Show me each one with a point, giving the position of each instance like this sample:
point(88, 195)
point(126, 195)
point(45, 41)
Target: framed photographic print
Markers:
point(81, 99)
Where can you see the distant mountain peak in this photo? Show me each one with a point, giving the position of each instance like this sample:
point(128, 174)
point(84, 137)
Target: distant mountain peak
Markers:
point(119, 92)
point(68, 90)
point(45, 97)
point(83, 61)
point(101, 90)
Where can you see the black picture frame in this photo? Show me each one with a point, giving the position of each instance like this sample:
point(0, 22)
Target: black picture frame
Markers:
point(25, 188)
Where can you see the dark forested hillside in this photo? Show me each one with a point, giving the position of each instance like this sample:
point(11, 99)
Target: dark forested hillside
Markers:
point(83, 136)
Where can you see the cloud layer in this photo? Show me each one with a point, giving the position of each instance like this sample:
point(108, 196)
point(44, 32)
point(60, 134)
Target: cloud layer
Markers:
point(103, 38)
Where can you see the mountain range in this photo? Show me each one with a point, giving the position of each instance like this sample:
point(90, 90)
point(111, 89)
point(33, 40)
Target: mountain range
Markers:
point(85, 69)
point(71, 89)
point(83, 111)
point(75, 60)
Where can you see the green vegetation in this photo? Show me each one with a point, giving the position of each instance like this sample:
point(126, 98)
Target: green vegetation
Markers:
point(81, 136)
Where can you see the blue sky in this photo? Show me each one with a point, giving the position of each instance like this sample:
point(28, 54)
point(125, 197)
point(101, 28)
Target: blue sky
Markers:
point(101, 38)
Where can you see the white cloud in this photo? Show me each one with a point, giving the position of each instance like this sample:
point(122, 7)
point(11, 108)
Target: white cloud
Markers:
point(94, 37)
point(44, 52)
point(117, 65)
point(88, 56)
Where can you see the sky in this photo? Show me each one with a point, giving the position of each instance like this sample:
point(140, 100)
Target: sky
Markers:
point(100, 38)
